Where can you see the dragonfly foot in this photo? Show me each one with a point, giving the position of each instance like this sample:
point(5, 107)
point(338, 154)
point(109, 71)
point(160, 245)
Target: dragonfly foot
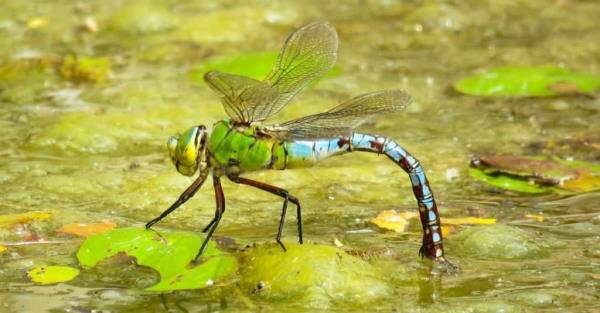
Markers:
point(152, 222)
point(445, 265)
point(282, 246)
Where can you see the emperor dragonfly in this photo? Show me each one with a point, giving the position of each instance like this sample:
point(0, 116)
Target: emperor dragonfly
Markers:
point(242, 144)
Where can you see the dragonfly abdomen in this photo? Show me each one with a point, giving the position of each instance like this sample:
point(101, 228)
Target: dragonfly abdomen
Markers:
point(432, 237)
point(306, 153)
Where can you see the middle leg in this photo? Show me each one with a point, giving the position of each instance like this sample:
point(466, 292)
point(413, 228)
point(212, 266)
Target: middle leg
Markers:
point(278, 192)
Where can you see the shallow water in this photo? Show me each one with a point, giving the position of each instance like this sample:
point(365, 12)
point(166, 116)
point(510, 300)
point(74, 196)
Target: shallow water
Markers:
point(86, 152)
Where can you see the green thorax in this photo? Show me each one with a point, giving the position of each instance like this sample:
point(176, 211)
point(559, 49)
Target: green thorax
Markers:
point(238, 150)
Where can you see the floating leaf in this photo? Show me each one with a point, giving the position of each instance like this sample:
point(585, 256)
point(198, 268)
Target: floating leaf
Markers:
point(527, 81)
point(392, 220)
point(256, 65)
point(398, 221)
point(45, 275)
point(10, 220)
point(2, 248)
point(536, 174)
point(85, 69)
point(508, 182)
point(467, 221)
point(86, 230)
point(168, 252)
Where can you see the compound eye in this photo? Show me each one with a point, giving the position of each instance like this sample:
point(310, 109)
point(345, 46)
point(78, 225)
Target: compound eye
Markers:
point(172, 147)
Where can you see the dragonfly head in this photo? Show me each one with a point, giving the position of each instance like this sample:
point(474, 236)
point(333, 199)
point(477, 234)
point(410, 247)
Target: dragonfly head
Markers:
point(187, 150)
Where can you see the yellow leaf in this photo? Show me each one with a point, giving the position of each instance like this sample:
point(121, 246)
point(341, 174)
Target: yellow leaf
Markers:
point(447, 230)
point(2, 248)
point(535, 217)
point(45, 275)
point(37, 22)
point(392, 220)
point(585, 182)
point(468, 221)
point(10, 220)
point(86, 230)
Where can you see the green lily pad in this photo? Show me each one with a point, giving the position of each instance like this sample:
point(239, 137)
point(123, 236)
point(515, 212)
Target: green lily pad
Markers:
point(527, 81)
point(536, 174)
point(167, 252)
point(255, 65)
point(508, 182)
point(318, 274)
point(46, 275)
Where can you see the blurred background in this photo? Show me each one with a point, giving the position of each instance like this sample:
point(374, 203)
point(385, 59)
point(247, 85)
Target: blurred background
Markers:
point(505, 121)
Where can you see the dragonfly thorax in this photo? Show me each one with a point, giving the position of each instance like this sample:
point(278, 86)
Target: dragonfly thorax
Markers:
point(187, 150)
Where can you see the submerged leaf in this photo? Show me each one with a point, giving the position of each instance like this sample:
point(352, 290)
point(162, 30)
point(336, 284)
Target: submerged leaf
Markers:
point(86, 230)
point(167, 252)
point(94, 70)
point(45, 275)
point(252, 64)
point(536, 174)
point(317, 273)
point(585, 145)
point(11, 220)
point(527, 81)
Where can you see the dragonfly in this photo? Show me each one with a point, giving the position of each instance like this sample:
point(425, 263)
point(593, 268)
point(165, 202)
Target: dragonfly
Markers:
point(243, 143)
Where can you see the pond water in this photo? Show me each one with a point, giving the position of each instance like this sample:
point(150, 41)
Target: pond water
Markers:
point(86, 146)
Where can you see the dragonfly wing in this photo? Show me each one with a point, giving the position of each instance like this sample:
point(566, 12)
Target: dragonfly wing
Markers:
point(308, 53)
point(342, 119)
point(242, 95)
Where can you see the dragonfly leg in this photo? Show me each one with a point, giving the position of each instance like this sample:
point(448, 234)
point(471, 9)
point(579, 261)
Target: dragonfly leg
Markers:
point(185, 196)
point(281, 193)
point(207, 227)
point(220, 200)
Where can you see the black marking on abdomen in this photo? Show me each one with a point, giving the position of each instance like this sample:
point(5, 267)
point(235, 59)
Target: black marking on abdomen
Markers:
point(273, 157)
point(285, 155)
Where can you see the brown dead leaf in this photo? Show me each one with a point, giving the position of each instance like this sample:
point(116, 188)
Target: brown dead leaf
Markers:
point(564, 88)
point(86, 230)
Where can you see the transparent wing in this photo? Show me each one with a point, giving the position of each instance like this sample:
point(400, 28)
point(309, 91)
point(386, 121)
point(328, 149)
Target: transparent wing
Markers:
point(344, 118)
point(308, 53)
point(242, 95)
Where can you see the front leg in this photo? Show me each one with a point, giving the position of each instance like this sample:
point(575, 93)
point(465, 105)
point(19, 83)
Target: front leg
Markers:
point(220, 202)
point(281, 193)
point(185, 196)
